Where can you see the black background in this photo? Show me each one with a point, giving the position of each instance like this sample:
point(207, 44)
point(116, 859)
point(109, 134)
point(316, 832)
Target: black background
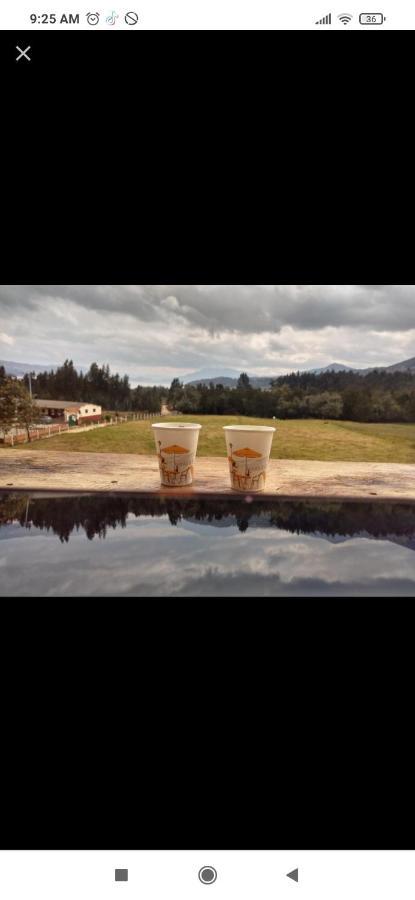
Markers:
point(236, 724)
point(199, 157)
point(207, 156)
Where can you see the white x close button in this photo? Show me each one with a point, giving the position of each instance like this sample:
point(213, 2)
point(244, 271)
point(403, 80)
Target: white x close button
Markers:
point(23, 54)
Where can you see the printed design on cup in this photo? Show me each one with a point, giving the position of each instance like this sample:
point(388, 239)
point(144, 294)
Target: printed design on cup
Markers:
point(176, 464)
point(247, 469)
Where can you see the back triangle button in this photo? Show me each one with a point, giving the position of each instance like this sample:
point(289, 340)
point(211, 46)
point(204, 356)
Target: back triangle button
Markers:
point(293, 874)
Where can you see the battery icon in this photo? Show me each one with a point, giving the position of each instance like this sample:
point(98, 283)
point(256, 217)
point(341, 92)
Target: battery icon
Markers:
point(371, 18)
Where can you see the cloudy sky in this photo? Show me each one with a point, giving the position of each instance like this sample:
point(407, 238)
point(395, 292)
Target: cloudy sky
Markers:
point(156, 332)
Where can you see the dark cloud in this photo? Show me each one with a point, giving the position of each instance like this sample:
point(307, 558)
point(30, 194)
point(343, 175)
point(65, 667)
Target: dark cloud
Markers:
point(157, 331)
point(242, 308)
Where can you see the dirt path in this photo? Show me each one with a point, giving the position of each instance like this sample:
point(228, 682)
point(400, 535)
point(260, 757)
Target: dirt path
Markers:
point(60, 471)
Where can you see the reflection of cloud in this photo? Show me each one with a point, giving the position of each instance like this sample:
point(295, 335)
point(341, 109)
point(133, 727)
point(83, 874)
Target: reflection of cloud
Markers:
point(152, 558)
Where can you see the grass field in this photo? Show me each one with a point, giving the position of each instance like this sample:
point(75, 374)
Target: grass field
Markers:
point(294, 439)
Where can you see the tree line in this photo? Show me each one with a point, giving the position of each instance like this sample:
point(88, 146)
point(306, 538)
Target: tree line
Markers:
point(97, 385)
point(99, 513)
point(378, 396)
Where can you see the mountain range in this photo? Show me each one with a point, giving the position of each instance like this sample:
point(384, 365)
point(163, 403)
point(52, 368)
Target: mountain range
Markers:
point(227, 377)
point(20, 369)
point(404, 366)
point(265, 381)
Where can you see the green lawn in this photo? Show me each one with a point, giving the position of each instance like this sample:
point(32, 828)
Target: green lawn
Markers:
point(294, 439)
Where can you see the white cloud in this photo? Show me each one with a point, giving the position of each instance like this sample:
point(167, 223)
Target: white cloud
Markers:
point(154, 332)
point(6, 338)
point(171, 302)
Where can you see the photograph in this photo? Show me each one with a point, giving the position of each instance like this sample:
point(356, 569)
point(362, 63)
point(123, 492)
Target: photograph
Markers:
point(207, 440)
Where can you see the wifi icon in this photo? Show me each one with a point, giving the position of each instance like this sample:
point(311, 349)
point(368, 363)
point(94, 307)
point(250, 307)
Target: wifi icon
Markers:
point(345, 18)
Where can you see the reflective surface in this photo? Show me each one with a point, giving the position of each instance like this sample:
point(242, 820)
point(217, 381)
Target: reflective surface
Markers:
point(113, 544)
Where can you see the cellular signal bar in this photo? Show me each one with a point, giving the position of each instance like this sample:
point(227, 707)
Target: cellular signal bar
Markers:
point(326, 20)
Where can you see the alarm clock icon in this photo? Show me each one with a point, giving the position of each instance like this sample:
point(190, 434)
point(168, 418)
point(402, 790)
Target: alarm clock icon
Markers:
point(92, 18)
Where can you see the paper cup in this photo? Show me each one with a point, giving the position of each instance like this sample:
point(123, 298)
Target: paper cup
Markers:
point(176, 447)
point(249, 447)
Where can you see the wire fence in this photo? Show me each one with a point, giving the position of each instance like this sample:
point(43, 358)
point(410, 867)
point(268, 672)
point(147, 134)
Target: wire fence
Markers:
point(18, 435)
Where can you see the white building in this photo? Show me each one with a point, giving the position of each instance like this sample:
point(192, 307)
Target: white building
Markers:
point(68, 411)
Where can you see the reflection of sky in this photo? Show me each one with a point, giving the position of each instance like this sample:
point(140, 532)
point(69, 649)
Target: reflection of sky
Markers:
point(151, 557)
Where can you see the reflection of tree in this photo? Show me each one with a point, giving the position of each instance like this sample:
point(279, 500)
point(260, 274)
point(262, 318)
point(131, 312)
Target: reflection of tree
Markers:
point(95, 514)
point(12, 507)
point(243, 523)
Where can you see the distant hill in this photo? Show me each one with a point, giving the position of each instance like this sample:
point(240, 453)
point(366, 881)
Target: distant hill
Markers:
point(265, 382)
point(219, 379)
point(333, 367)
point(261, 381)
point(227, 377)
point(403, 366)
point(20, 369)
point(256, 381)
point(204, 376)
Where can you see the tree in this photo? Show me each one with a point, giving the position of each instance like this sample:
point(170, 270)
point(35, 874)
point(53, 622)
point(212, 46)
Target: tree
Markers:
point(27, 412)
point(327, 405)
point(175, 392)
point(408, 404)
point(16, 406)
point(7, 405)
point(357, 404)
point(243, 382)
